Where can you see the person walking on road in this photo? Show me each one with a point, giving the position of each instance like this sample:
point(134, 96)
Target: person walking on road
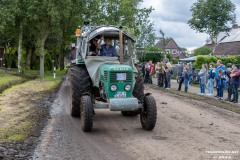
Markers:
point(211, 76)
point(202, 78)
point(219, 79)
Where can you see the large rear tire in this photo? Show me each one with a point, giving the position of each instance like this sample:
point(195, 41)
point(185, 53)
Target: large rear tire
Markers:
point(148, 115)
point(80, 83)
point(138, 92)
point(86, 111)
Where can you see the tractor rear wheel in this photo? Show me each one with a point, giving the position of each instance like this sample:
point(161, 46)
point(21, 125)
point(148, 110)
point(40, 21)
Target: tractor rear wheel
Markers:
point(86, 111)
point(148, 115)
point(80, 83)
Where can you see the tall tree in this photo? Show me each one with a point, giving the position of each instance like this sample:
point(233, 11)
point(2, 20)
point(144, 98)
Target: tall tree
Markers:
point(212, 17)
point(47, 15)
point(145, 33)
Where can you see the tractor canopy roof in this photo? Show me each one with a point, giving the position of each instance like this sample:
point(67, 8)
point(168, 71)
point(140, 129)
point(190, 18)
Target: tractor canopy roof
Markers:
point(107, 31)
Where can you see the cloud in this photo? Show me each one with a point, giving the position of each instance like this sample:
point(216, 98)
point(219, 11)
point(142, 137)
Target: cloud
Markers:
point(171, 17)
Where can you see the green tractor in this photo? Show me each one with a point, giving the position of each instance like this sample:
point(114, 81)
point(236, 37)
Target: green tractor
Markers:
point(107, 82)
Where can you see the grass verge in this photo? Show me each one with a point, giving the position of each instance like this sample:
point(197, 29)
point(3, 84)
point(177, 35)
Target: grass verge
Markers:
point(7, 80)
point(24, 107)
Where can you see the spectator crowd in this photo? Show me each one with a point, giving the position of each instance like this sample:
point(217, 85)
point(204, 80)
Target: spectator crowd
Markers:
point(208, 77)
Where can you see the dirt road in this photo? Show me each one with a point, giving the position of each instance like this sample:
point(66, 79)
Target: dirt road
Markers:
point(185, 129)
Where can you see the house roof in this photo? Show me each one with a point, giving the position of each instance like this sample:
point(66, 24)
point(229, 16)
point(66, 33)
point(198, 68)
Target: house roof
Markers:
point(228, 43)
point(228, 48)
point(169, 44)
point(232, 36)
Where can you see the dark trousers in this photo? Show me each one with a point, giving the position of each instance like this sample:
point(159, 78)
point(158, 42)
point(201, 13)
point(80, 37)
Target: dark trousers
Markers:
point(161, 79)
point(235, 92)
point(230, 90)
point(166, 82)
point(217, 84)
point(180, 83)
point(220, 89)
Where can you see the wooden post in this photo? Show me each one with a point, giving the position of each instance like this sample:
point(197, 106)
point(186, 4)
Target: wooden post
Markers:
point(121, 44)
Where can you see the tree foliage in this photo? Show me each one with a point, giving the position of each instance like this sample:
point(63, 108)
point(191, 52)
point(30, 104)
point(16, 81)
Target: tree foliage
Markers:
point(48, 26)
point(212, 17)
point(202, 51)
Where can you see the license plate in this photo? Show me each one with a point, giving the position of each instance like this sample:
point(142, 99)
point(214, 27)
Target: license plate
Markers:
point(120, 95)
point(121, 76)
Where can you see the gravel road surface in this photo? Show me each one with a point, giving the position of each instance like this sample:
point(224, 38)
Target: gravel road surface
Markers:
point(185, 129)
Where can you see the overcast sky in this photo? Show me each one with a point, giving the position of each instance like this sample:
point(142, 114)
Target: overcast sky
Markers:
point(172, 16)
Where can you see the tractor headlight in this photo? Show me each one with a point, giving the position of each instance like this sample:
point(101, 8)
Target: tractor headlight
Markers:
point(113, 87)
point(127, 87)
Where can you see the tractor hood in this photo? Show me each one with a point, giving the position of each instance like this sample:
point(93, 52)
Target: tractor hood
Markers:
point(94, 63)
point(116, 67)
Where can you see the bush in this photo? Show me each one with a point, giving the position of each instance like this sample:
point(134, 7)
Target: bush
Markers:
point(208, 59)
point(200, 60)
point(202, 51)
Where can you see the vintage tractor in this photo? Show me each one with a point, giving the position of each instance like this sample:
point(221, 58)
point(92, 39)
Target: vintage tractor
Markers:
point(112, 83)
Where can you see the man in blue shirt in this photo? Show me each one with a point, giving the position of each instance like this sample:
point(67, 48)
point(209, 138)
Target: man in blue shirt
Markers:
point(218, 79)
point(107, 49)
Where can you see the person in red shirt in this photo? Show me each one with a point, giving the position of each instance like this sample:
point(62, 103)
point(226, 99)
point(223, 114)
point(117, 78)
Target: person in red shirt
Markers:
point(151, 71)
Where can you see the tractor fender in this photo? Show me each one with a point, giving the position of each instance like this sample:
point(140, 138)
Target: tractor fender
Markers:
point(87, 94)
point(147, 94)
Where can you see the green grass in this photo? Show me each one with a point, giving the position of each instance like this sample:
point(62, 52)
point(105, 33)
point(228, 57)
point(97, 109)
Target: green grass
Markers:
point(6, 78)
point(16, 137)
point(14, 129)
point(15, 132)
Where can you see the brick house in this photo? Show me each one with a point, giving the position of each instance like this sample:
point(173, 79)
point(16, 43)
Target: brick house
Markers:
point(169, 45)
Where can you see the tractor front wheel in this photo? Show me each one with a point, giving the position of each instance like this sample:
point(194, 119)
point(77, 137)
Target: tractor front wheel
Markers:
point(86, 111)
point(148, 115)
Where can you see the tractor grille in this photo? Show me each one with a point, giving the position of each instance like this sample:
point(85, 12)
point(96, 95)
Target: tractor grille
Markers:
point(113, 77)
point(105, 76)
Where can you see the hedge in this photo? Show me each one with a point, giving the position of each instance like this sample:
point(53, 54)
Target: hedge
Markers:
point(208, 59)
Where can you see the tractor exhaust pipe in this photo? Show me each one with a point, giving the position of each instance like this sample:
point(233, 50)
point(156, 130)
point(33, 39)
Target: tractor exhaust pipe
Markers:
point(121, 44)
